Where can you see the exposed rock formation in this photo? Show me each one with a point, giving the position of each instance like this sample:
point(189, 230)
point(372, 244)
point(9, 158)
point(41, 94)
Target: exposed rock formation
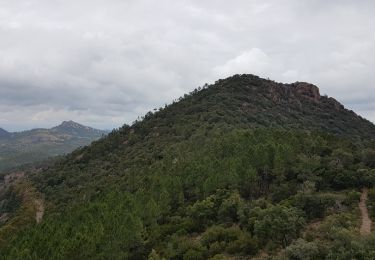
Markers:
point(307, 90)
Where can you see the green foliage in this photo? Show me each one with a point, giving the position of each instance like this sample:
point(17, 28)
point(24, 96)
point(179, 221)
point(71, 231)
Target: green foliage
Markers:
point(10, 201)
point(314, 205)
point(228, 211)
point(184, 248)
point(194, 188)
point(203, 212)
point(303, 250)
point(371, 203)
point(232, 240)
point(368, 157)
point(279, 224)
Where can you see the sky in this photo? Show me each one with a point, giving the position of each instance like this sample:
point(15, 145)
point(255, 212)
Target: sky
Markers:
point(103, 63)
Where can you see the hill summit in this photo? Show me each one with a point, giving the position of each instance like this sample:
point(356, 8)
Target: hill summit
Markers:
point(249, 101)
point(71, 127)
point(71, 124)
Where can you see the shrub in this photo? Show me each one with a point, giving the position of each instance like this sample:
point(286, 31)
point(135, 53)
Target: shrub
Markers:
point(233, 240)
point(279, 224)
point(302, 250)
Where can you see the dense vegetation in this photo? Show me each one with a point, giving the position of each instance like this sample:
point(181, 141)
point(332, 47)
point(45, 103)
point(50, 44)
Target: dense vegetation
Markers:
point(225, 172)
point(36, 145)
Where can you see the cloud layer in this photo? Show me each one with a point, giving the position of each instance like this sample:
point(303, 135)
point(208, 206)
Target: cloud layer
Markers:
point(103, 63)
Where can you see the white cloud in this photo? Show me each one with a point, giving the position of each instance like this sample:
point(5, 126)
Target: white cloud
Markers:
point(254, 60)
point(104, 63)
point(291, 75)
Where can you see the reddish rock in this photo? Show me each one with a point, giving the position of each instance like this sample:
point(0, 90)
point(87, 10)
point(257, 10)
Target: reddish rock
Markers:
point(307, 90)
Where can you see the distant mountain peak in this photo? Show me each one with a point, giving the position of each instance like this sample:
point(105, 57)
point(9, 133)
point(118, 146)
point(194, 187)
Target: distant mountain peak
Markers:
point(72, 124)
point(68, 122)
point(3, 130)
point(4, 133)
point(77, 129)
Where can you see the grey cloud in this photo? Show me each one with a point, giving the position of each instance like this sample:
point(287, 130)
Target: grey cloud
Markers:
point(104, 63)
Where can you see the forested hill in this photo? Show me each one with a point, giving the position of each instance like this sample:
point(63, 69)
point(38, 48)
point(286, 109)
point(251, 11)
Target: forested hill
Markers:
point(245, 167)
point(250, 101)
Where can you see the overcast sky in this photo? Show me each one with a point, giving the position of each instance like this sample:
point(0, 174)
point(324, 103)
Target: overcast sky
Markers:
point(105, 62)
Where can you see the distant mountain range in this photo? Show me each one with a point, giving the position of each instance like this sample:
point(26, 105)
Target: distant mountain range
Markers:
point(38, 144)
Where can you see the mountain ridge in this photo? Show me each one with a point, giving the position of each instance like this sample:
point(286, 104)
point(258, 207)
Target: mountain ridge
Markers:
point(41, 143)
point(64, 124)
point(76, 128)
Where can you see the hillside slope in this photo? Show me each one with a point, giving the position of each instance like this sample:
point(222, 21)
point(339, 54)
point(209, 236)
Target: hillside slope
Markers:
point(39, 144)
point(244, 167)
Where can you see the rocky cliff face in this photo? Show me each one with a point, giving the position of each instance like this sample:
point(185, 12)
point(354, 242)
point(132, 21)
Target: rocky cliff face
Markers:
point(300, 92)
point(306, 90)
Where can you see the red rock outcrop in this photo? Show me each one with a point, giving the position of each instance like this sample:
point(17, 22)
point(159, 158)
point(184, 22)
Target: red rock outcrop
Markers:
point(307, 90)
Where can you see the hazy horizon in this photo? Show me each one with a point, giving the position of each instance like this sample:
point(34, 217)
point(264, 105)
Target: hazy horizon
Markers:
point(49, 127)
